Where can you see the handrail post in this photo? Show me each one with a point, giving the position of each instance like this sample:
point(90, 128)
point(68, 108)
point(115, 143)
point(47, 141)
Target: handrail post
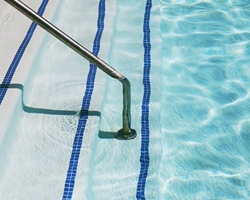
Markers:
point(126, 132)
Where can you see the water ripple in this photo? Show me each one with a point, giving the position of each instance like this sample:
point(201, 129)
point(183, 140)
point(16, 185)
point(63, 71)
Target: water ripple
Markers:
point(205, 101)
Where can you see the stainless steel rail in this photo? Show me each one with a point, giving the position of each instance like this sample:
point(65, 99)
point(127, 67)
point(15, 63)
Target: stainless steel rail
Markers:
point(126, 132)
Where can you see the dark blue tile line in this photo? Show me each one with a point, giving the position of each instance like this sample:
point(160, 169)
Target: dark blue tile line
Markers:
point(144, 158)
point(18, 56)
point(71, 174)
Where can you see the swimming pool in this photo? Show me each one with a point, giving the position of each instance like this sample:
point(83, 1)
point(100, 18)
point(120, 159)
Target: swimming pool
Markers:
point(189, 71)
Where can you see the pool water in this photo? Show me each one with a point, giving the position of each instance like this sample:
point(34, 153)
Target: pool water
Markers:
point(199, 117)
point(205, 116)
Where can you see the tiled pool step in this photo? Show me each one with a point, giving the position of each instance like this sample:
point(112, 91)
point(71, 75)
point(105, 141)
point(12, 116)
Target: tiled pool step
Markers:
point(18, 56)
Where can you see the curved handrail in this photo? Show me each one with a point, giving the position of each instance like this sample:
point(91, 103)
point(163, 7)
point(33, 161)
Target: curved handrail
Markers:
point(126, 132)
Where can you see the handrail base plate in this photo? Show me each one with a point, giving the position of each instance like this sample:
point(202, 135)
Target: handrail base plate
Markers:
point(122, 136)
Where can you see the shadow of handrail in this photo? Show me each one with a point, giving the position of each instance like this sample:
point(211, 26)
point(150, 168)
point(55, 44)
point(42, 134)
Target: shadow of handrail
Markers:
point(29, 109)
point(107, 134)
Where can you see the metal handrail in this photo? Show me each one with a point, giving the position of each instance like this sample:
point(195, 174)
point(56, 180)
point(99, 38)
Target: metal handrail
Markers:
point(126, 132)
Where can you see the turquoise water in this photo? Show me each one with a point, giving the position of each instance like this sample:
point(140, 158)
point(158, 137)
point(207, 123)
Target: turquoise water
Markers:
point(205, 115)
point(199, 105)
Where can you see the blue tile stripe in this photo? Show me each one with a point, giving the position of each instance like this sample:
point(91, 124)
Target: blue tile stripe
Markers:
point(144, 158)
point(18, 56)
point(71, 174)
